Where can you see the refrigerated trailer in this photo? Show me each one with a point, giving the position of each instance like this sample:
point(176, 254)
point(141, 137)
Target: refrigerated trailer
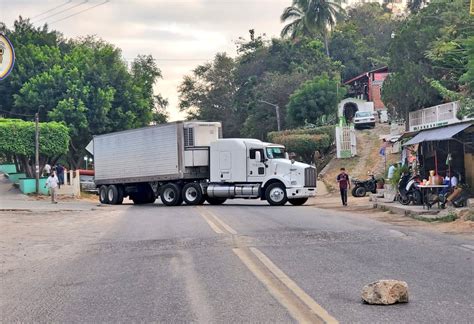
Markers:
point(190, 162)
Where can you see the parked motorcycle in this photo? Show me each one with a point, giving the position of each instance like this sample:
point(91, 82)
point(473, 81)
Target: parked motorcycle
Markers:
point(408, 190)
point(362, 186)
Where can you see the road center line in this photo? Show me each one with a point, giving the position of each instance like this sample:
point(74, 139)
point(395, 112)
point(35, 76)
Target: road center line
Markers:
point(209, 221)
point(215, 222)
point(274, 289)
point(317, 309)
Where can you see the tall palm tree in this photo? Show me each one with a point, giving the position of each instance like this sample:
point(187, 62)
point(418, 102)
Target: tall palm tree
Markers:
point(311, 18)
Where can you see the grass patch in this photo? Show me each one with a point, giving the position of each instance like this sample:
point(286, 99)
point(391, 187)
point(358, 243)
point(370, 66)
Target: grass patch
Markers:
point(450, 217)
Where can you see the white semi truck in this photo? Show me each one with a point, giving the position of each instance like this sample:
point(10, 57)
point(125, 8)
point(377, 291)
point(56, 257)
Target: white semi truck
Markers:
point(190, 162)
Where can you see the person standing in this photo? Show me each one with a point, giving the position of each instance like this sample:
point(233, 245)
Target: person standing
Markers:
point(60, 171)
point(344, 185)
point(52, 183)
point(47, 169)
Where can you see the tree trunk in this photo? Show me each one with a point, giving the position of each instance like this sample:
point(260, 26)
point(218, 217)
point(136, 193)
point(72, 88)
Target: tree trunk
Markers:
point(326, 43)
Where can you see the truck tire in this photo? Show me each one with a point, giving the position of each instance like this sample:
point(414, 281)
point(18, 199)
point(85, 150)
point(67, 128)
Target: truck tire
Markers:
point(121, 194)
point(103, 195)
point(112, 194)
point(276, 194)
point(215, 200)
point(171, 195)
point(298, 201)
point(192, 194)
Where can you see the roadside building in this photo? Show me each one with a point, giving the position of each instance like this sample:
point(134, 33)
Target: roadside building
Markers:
point(438, 141)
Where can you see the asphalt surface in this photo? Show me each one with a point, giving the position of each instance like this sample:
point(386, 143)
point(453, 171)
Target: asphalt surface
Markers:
point(188, 264)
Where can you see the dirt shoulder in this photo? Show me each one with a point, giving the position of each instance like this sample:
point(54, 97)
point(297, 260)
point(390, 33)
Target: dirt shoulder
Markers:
point(363, 207)
point(38, 237)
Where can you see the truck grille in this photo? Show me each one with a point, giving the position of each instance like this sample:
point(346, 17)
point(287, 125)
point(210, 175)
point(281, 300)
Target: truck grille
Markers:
point(310, 177)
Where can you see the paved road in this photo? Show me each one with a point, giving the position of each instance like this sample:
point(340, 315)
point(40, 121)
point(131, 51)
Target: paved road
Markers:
point(241, 263)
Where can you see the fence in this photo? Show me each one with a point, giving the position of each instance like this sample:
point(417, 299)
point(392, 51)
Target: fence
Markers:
point(434, 116)
point(345, 142)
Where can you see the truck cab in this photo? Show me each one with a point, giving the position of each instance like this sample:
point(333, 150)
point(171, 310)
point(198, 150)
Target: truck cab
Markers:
point(250, 168)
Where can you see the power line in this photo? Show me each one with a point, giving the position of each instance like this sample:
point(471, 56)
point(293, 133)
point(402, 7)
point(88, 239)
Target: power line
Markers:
point(79, 12)
point(64, 10)
point(16, 114)
point(52, 9)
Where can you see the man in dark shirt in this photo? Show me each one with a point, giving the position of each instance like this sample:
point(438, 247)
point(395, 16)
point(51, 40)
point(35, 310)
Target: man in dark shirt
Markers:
point(344, 184)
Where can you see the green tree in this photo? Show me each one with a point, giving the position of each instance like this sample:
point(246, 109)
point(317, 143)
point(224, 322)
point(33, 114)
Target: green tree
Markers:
point(315, 101)
point(17, 141)
point(84, 83)
point(361, 42)
point(311, 18)
point(208, 94)
point(428, 46)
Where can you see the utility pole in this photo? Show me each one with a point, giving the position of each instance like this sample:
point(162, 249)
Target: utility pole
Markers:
point(37, 151)
point(277, 111)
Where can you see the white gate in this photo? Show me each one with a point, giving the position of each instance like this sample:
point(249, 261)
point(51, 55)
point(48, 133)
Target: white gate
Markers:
point(345, 142)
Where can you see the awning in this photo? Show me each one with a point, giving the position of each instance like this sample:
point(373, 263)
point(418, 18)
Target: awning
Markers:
point(438, 134)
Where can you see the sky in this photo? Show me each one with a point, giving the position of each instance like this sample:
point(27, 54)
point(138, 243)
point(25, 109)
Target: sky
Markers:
point(180, 34)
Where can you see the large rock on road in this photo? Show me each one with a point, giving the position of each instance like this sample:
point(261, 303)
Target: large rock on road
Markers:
point(385, 292)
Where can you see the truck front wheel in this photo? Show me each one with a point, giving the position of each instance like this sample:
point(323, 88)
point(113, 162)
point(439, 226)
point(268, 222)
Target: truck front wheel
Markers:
point(276, 194)
point(103, 195)
point(192, 194)
point(298, 201)
point(171, 195)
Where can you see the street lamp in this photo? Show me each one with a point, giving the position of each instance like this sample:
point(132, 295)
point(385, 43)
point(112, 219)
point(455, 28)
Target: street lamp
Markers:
point(277, 110)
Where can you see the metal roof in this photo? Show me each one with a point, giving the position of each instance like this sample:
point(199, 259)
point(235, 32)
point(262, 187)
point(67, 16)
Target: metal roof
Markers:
point(438, 134)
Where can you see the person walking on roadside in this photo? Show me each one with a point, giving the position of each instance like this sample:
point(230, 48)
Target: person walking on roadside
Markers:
point(52, 183)
point(344, 185)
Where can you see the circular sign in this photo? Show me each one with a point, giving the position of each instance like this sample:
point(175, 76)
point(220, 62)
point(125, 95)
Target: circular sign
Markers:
point(7, 57)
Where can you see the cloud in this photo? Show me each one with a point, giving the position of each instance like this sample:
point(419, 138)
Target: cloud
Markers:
point(180, 34)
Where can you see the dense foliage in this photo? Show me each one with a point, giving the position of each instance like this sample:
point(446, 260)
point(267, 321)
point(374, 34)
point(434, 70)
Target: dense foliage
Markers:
point(84, 83)
point(242, 92)
point(430, 45)
point(305, 142)
point(17, 142)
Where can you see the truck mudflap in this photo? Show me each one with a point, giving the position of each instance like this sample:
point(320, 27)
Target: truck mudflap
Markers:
point(300, 192)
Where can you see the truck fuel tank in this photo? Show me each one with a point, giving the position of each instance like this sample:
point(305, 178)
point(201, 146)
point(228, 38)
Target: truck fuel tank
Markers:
point(250, 190)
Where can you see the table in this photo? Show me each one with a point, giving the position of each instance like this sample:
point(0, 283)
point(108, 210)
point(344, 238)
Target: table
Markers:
point(424, 193)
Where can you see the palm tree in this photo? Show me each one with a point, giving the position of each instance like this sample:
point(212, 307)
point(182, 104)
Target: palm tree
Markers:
point(311, 18)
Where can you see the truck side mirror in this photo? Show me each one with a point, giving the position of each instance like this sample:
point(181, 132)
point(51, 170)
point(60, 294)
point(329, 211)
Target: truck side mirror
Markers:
point(287, 156)
point(258, 156)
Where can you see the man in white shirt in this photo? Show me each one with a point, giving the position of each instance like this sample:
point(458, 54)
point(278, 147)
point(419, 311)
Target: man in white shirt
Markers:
point(52, 183)
point(47, 169)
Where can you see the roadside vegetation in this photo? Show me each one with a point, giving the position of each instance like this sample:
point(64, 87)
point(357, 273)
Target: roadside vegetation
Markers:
point(85, 84)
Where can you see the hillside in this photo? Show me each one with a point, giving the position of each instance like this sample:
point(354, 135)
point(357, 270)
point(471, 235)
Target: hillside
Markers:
point(367, 160)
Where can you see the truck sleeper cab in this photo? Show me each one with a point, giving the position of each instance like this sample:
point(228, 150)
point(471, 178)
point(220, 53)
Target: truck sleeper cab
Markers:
point(189, 162)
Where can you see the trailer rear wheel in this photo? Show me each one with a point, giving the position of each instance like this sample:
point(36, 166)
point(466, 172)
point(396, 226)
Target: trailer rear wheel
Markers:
point(120, 195)
point(192, 194)
point(103, 195)
point(112, 194)
point(215, 200)
point(276, 194)
point(171, 195)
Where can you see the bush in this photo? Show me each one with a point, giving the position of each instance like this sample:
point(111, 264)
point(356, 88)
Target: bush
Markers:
point(304, 145)
point(323, 130)
point(17, 139)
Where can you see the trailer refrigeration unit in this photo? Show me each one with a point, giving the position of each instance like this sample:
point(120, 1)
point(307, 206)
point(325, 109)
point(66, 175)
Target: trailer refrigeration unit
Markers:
point(188, 161)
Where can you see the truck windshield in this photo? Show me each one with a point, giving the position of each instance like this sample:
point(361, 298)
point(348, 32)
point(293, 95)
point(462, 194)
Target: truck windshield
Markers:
point(275, 152)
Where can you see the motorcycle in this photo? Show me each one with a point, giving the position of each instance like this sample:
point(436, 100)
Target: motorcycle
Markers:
point(408, 190)
point(362, 186)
